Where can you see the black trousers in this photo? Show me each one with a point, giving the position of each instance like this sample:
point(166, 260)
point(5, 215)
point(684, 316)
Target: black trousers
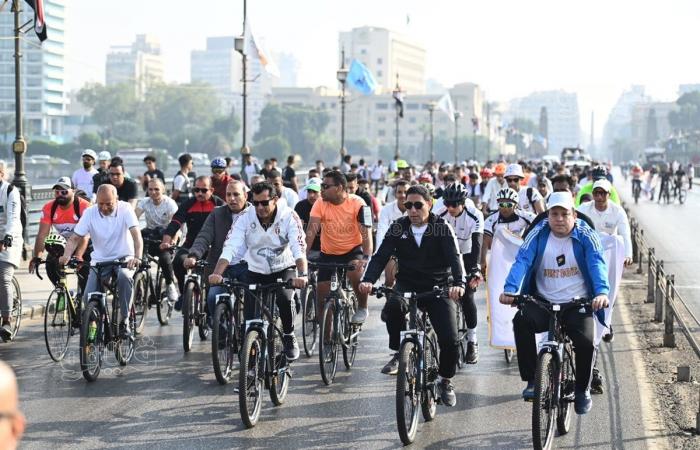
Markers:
point(579, 327)
point(179, 267)
point(443, 316)
point(285, 297)
point(469, 307)
point(165, 257)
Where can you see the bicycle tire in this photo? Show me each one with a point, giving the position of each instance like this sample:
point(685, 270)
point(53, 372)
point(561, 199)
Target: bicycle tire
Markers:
point(164, 309)
point(58, 325)
point(408, 392)
point(279, 365)
point(566, 392)
point(140, 300)
point(327, 343)
point(543, 407)
point(91, 351)
point(309, 323)
point(350, 347)
point(188, 315)
point(222, 344)
point(124, 349)
point(250, 378)
point(201, 315)
point(682, 196)
point(428, 402)
point(16, 313)
point(462, 330)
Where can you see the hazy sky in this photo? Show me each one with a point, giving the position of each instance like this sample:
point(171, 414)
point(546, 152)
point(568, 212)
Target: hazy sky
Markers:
point(510, 47)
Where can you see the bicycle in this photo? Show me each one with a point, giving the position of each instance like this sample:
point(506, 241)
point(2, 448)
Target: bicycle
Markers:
point(99, 329)
point(335, 328)
point(679, 191)
point(262, 359)
point(16, 311)
point(416, 381)
point(309, 321)
point(636, 189)
point(227, 332)
point(555, 378)
point(150, 291)
point(62, 312)
point(194, 305)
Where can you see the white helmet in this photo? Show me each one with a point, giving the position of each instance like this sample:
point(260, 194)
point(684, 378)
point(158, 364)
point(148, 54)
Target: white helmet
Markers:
point(89, 152)
point(514, 170)
point(105, 156)
point(507, 194)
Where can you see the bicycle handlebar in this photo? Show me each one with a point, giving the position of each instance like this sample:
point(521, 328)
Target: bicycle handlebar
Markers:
point(521, 300)
point(436, 292)
point(331, 265)
point(228, 282)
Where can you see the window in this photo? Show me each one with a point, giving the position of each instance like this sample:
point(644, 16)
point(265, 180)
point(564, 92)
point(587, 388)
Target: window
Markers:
point(381, 119)
point(381, 133)
point(379, 61)
point(412, 106)
point(379, 73)
point(382, 106)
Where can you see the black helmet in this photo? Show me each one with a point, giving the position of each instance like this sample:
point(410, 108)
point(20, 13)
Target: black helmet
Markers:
point(599, 172)
point(455, 192)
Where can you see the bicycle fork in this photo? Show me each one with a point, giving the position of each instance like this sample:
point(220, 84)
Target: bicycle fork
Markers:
point(557, 351)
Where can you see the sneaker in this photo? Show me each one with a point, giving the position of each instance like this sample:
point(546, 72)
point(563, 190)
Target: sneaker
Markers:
point(360, 316)
point(447, 392)
point(392, 367)
point(529, 392)
point(472, 352)
point(291, 347)
point(6, 331)
point(178, 303)
point(609, 336)
point(124, 332)
point(172, 293)
point(596, 382)
point(582, 401)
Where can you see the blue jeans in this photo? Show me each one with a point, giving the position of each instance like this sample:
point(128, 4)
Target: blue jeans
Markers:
point(234, 272)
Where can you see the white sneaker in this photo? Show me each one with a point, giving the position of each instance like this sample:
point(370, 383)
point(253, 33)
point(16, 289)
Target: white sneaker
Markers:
point(172, 292)
point(360, 316)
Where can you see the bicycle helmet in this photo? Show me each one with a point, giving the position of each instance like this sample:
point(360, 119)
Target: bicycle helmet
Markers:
point(55, 244)
point(218, 163)
point(599, 172)
point(455, 192)
point(486, 173)
point(424, 178)
point(507, 194)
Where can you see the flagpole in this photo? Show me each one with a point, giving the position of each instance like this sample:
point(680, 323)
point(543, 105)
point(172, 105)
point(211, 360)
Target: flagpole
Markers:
point(457, 116)
point(342, 76)
point(240, 47)
point(397, 92)
point(431, 110)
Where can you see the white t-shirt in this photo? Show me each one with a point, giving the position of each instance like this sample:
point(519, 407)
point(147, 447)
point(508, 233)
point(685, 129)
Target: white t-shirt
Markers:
point(82, 179)
point(524, 201)
point(157, 215)
point(110, 235)
point(558, 277)
point(612, 221)
point(418, 232)
point(377, 172)
point(290, 196)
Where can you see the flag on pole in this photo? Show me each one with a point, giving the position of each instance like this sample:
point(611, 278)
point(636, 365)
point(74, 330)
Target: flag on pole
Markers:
point(398, 97)
point(39, 20)
point(445, 105)
point(253, 49)
point(360, 78)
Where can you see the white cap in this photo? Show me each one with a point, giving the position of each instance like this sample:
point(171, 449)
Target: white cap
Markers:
point(563, 199)
point(89, 152)
point(63, 182)
point(514, 170)
point(105, 156)
point(602, 184)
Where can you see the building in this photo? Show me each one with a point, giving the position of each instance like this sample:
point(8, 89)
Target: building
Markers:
point(687, 88)
point(617, 127)
point(289, 69)
point(386, 53)
point(140, 63)
point(649, 124)
point(44, 94)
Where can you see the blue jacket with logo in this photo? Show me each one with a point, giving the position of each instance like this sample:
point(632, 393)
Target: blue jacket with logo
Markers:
point(588, 252)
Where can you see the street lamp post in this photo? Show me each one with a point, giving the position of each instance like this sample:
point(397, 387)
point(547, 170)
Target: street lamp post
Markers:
point(457, 116)
point(342, 76)
point(475, 128)
point(239, 45)
point(397, 95)
point(431, 110)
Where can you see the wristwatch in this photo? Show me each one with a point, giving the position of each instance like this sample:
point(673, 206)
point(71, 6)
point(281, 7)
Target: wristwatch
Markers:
point(303, 274)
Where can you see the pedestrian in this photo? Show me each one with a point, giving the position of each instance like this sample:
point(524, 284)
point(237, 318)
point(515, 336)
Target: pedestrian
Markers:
point(691, 173)
point(83, 177)
point(249, 167)
point(182, 182)
point(151, 171)
point(10, 232)
point(289, 176)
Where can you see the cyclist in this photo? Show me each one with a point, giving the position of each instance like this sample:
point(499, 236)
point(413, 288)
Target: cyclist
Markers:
point(151, 171)
point(192, 212)
point(468, 224)
point(114, 229)
point(637, 173)
point(11, 231)
point(474, 191)
point(82, 178)
point(427, 253)
point(560, 260)
point(249, 167)
point(597, 173)
point(390, 212)
point(303, 210)
point(493, 187)
point(211, 237)
point(182, 182)
point(219, 177)
point(104, 159)
point(665, 175)
point(345, 222)
point(530, 199)
point(679, 176)
point(508, 216)
point(127, 189)
point(289, 196)
point(270, 237)
point(289, 175)
point(62, 214)
point(159, 210)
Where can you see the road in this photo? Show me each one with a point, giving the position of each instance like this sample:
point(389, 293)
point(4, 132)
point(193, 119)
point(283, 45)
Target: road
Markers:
point(167, 399)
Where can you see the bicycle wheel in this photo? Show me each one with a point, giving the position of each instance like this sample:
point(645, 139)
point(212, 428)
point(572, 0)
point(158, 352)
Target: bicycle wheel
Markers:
point(279, 366)
point(682, 195)
point(350, 347)
point(250, 378)
point(566, 392)
point(16, 313)
point(309, 324)
point(462, 358)
point(543, 407)
point(164, 309)
point(327, 343)
point(124, 348)
point(57, 324)
point(140, 300)
point(92, 343)
point(428, 402)
point(201, 315)
point(222, 344)
point(188, 299)
point(408, 392)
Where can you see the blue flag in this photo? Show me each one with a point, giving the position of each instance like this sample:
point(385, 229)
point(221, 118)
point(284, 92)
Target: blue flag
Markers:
point(360, 78)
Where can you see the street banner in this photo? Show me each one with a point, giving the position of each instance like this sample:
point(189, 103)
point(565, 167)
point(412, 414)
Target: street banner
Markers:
point(504, 248)
point(614, 249)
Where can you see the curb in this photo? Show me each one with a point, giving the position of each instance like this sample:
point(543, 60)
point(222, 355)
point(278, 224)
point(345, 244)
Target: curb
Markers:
point(33, 312)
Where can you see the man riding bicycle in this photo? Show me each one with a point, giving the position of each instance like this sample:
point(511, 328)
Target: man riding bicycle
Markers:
point(427, 253)
point(637, 172)
point(561, 259)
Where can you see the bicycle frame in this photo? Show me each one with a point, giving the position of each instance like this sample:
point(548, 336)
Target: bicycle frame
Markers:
point(111, 320)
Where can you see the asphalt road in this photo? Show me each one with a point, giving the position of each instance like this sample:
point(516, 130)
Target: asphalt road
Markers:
point(168, 399)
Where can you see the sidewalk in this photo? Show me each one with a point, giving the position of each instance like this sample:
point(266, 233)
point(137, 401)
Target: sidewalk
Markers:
point(35, 292)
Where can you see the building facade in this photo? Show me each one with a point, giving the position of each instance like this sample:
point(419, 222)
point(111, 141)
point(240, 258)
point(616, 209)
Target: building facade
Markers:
point(140, 63)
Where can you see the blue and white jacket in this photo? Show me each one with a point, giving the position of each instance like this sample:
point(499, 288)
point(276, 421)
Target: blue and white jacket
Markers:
point(588, 252)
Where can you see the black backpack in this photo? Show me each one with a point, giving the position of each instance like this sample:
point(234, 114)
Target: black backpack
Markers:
point(76, 204)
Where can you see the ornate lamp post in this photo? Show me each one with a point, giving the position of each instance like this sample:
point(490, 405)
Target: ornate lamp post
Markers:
point(342, 76)
point(239, 46)
point(457, 116)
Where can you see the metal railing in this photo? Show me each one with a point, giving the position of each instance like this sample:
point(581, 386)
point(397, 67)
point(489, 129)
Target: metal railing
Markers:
point(669, 305)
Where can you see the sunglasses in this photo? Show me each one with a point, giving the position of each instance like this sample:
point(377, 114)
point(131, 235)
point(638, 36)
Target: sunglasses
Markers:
point(60, 192)
point(217, 171)
point(452, 204)
point(506, 204)
point(200, 190)
point(261, 202)
point(411, 205)
point(325, 186)
point(512, 180)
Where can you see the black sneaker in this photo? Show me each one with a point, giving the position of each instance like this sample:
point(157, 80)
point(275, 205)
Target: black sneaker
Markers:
point(472, 352)
point(609, 336)
point(447, 392)
point(596, 382)
point(582, 402)
point(6, 331)
point(124, 332)
point(392, 367)
point(178, 304)
point(291, 347)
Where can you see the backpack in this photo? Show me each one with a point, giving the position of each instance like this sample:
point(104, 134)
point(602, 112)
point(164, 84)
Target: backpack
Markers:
point(76, 204)
point(529, 198)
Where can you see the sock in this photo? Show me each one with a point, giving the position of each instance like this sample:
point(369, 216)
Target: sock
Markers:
point(471, 335)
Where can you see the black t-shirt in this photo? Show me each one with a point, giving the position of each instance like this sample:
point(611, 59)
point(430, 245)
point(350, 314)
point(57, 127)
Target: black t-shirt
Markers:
point(101, 177)
point(303, 209)
point(128, 190)
point(265, 172)
point(288, 174)
point(150, 174)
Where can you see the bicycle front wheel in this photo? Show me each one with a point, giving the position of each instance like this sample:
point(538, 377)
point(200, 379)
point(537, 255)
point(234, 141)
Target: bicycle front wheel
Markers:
point(327, 343)
point(16, 313)
point(408, 392)
point(567, 391)
point(250, 378)
point(222, 344)
point(543, 407)
point(92, 343)
point(309, 322)
point(188, 299)
point(57, 324)
point(682, 195)
point(140, 300)
point(350, 341)
point(164, 309)
point(279, 365)
point(124, 348)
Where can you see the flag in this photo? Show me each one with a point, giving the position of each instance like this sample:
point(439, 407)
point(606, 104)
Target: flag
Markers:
point(398, 96)
point(445, 105)
point(360, 78)
point(253, 49)
point(39, 20)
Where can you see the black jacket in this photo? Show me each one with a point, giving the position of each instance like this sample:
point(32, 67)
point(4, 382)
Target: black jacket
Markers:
point(193, 213)
point(419, 268)
point(213, 234)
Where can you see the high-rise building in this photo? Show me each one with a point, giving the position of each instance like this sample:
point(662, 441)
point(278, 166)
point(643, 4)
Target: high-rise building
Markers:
point(289, 68)
point(44, 94)
point(386, 53)
point(140, 63)
point(617, 127)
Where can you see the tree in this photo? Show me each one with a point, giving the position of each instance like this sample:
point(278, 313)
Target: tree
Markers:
point(276, 146)
point(170, 108)
point(90, 140)
point(303, 128)
point(524, 125)
point(111, 104)
point(227, 126)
